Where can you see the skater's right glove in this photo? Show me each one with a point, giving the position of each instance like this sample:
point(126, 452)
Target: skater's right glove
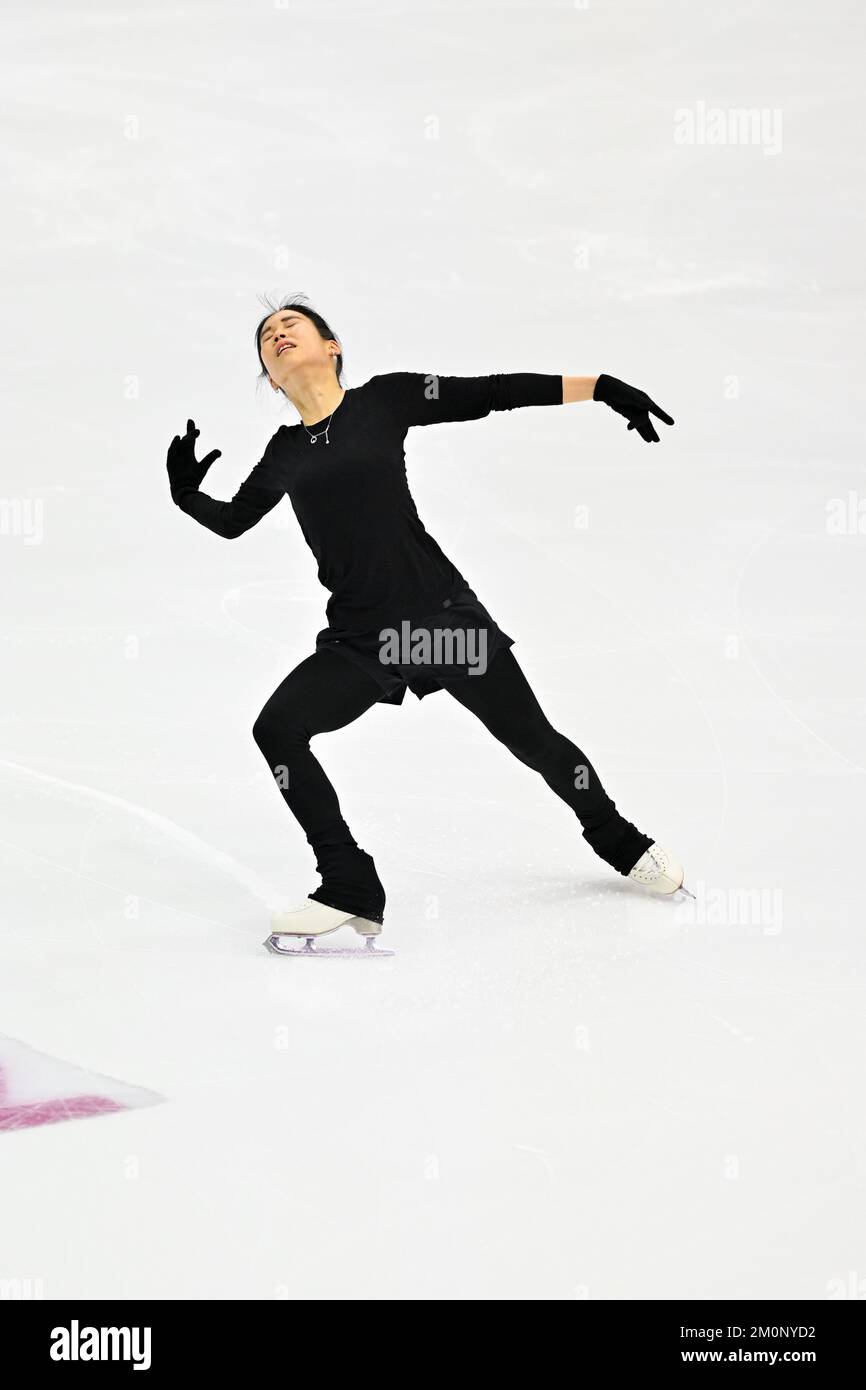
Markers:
point(185, 473)
point(633, 404)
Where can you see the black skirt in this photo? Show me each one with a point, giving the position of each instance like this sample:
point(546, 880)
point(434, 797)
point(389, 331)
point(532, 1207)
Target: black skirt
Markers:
point(456, 642)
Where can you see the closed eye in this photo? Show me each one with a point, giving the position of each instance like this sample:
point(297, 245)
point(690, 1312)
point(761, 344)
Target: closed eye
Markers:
point(270, 331)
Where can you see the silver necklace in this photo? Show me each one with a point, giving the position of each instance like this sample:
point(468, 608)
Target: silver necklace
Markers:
point(314, 437)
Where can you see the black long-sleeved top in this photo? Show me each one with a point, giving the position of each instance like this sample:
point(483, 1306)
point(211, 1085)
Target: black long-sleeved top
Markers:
point(351, 495)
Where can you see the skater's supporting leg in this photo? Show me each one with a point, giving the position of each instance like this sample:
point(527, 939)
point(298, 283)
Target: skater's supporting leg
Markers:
point(325, 692)
point(504, 702)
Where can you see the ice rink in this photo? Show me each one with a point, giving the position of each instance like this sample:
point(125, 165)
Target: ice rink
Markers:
point(559, 1088)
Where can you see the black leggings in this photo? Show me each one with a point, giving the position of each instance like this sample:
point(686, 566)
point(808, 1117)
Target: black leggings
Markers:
point(326, 692)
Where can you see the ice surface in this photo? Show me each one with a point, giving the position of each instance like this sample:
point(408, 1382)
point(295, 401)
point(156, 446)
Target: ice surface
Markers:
point(558, 1088)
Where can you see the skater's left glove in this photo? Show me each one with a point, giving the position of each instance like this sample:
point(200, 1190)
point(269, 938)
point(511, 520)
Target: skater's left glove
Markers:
point(633, 404)
point(185, 472)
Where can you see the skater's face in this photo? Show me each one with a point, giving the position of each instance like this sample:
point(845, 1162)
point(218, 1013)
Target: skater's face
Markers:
point(291, 345)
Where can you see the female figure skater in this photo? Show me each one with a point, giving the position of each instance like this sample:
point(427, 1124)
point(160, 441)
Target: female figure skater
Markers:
point(400, 614)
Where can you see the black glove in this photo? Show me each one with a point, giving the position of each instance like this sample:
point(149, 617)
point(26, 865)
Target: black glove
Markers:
point(633, 404)
point(185, 473)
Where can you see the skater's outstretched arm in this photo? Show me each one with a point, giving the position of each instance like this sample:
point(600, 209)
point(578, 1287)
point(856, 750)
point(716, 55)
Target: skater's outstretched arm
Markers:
point(419, 398)
point(256, 496)
point(416, 398)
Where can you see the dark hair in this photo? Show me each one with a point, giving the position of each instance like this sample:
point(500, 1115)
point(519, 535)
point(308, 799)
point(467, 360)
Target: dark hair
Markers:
point(297, 301)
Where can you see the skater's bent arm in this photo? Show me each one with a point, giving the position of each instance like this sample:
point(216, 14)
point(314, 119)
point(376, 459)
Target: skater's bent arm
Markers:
point(257, 495)
point(230, 519)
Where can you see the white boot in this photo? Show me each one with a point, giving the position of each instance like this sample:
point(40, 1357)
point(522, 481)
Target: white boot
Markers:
point(316, 919)
point(659, 871)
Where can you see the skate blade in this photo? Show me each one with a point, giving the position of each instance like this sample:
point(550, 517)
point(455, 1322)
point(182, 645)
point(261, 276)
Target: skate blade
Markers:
point(309, 948)
point(685, 892)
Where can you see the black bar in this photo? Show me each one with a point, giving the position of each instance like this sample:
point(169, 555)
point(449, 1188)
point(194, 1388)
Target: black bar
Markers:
point(235, 1337)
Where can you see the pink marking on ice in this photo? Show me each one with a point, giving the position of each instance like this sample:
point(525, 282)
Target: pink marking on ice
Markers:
point(47, 1112)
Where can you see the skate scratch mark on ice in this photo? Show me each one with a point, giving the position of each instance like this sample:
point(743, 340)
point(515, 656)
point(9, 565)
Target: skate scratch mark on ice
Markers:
point(762, 540)
point(525, 813)
point(112, 888)
point(540, 1154)
point(218, 858)
point(627, 620)
point(732, 1028)
point(769, 989)
point(491, 133)
point(230, 598)
point(418, 865)
point(673, 286)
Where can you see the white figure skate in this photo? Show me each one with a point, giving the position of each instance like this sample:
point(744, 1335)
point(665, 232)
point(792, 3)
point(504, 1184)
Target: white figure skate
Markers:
point(313, 920)
point(660, 871)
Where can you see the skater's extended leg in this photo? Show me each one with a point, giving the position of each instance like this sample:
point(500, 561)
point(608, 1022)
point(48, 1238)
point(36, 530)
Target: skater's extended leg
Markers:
point(325, 692)
point(504, 702)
